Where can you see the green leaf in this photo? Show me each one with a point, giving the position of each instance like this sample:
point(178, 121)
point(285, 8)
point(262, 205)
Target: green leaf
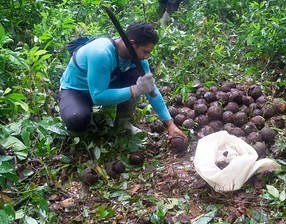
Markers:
point(65, 159)
point(6, 167)
point(28, 173)
point(258, 216)
point(2, 32)
point(19, 148)
point(249, 39)
point(8, 90)
point(3, 37)
point(49, 125)
point(76, 140)
point(40, 52)
point(17, 96)
point(4, 219)
point(46, 56)
point(104, 212)
point(2, 182)
point(97, 152)
point(18, 61)
point(33, 51)
point(206, 218)
point(282, 196)
point(7, 170)
point(11, 176)
point(26, 137)
point(4, 133)
point(23, 105)
point(273, 191)
point(15, 128)
point(8, 208)
point(44, 205)
point(122, 2)
point(19, 214)
point(57, 130)
point(5, 158)
point(30, 220)
point(21, 155)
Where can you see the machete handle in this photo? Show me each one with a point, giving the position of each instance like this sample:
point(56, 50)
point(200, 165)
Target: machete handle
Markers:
point(132, 52)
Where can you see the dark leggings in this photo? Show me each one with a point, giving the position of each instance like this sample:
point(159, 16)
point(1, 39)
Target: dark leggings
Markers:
point(169, 5)
point(76, 106)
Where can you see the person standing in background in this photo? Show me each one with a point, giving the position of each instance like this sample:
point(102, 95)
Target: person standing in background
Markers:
point(166, 8)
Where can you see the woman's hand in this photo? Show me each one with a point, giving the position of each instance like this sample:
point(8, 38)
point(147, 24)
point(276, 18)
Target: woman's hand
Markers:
point(173, 130)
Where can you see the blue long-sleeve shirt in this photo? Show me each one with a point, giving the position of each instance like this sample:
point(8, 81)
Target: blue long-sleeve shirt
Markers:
point(99, 59)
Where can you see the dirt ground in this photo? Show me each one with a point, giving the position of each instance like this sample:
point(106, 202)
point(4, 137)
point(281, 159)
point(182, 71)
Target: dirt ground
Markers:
point(173, 178)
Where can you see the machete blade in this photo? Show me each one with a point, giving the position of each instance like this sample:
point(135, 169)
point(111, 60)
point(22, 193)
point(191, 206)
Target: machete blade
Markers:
point(132, 52)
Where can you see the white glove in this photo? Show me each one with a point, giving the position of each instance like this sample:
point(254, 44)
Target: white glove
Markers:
point(144, 85)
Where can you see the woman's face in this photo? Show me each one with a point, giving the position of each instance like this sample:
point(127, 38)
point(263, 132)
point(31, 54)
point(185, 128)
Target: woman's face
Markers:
point(143, 51)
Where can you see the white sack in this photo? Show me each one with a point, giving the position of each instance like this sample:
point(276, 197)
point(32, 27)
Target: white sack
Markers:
point(242, 159)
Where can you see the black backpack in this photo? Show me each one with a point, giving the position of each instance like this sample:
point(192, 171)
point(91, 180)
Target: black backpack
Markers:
point(74, 45)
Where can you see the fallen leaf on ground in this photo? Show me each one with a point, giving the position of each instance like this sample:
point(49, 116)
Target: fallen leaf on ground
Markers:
point(135, 189)
point(67, 203)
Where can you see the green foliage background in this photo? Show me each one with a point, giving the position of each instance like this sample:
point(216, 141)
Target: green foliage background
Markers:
point(207, 40)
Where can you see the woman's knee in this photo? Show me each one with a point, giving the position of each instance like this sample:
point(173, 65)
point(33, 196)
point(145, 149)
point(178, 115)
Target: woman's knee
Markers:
point(77, 122)
point(75, 109)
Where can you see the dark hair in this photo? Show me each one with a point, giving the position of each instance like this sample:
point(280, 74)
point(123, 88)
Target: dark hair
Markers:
point(142, 33)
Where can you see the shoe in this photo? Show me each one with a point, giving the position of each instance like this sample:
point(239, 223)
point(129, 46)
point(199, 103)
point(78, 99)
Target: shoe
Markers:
point(128, 126)
point(125, 124)
point(124, 116)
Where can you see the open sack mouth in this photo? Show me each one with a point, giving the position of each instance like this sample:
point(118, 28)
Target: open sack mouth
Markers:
point(226, 162)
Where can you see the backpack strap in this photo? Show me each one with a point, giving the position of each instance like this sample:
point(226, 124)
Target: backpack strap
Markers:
point(75, 62)
point(116, 50)
point(83, 70)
